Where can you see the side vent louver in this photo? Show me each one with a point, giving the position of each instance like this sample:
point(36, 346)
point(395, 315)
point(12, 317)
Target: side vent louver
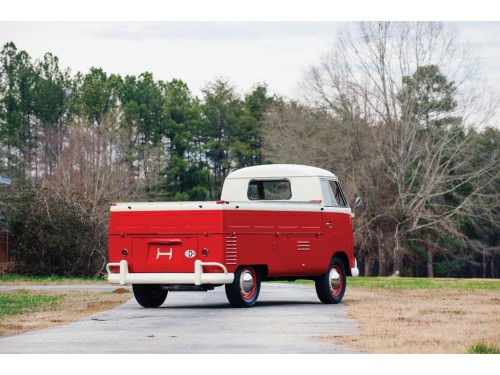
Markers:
point(231, 250)
point(303, 245)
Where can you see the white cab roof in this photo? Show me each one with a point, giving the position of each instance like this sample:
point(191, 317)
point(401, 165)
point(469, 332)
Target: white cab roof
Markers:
point(279, 171)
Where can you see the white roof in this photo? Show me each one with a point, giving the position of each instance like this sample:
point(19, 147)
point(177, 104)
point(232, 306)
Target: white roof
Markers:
point(279, 171)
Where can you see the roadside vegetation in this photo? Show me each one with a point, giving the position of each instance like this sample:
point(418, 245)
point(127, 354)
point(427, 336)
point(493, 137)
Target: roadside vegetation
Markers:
point(28, 310)
point(24, 301)
point(399, 283)
point(424, 316)
point(482, 348)
point(16, 279)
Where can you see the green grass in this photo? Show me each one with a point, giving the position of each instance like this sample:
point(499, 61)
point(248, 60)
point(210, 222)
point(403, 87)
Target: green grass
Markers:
point(422, 283)
point(24, 301)
point(416, 283)
point(482, 348)
point(44, 280)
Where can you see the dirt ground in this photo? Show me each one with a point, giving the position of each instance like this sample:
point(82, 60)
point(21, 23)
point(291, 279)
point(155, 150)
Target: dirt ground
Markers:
point(75, 306)
point(422, 321)
point(391, 321)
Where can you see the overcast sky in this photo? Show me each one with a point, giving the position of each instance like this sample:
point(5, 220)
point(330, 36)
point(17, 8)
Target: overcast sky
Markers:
point(246, 53)
point(196, 52)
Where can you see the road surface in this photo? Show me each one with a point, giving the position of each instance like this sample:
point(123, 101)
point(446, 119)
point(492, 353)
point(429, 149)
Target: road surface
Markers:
point(287, 319)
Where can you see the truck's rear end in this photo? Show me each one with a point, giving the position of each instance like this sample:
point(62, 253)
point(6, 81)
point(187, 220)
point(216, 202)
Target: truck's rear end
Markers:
point(273, 222)
point(173, 246)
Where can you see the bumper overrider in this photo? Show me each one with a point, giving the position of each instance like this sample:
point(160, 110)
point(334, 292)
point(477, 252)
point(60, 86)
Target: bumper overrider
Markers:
point(355, 270)
point(198, 277)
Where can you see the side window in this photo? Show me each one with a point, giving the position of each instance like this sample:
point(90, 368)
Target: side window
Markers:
point(332, 193)
point(269, 190)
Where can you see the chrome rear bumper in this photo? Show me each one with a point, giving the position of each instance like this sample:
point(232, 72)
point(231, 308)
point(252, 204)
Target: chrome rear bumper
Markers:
point(198, 277)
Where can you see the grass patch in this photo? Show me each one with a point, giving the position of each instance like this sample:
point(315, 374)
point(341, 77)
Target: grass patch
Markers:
point(24, 311)
point(422, 283)
point(482, 348)
point(397, 283)
point(24, 301)
point(12, 278)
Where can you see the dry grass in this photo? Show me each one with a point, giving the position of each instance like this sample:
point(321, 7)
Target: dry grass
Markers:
point(75, 305)
point(423, 321)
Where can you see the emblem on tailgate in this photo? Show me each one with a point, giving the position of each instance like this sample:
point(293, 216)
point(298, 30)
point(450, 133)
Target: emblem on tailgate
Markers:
point(190, 253)
point(159, 253)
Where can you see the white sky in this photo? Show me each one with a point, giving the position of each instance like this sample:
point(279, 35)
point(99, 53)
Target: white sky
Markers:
point(181, 46)
point(196, 52)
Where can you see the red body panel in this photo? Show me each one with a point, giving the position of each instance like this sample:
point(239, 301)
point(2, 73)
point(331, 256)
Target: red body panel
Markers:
point(288, 243)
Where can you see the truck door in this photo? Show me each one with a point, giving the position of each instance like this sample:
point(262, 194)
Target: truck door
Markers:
point(337, 221)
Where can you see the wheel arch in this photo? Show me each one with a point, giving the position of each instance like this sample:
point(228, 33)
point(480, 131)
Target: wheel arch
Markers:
point(345, 260)
point(263, 270)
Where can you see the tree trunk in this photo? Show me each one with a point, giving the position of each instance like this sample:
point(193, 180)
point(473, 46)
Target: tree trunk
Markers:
point(484, 263)
point(398, 262)
point(368, 265)
point(430, 263)
point(381, 262)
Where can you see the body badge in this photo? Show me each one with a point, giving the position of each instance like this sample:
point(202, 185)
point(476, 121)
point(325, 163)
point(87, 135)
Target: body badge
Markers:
point(159, 254)
point(190, 253)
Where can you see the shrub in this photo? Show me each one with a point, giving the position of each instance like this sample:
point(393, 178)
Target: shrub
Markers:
point(54, 235)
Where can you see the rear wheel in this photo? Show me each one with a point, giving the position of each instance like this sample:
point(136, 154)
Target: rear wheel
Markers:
point(244, 290)
point(330, 287)
point(149, 295)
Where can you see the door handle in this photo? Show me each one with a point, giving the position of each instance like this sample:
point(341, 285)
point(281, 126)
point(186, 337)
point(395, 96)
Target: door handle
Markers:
point(329, 224)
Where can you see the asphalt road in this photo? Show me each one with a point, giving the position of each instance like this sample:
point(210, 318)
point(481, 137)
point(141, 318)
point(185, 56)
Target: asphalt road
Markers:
point(287, 319)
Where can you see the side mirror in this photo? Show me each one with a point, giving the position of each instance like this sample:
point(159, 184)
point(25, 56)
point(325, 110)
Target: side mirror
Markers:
point(358, 202)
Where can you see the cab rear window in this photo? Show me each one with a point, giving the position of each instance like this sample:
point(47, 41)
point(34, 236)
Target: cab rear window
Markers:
point(269, 190)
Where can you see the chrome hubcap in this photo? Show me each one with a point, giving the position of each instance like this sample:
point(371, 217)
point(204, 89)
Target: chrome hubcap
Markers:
point(247, 282)
point(334, 279)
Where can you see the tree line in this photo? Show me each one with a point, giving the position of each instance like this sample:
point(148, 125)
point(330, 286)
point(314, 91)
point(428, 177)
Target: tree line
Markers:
point(174, 145)
point(73, 143)
point(393, 110)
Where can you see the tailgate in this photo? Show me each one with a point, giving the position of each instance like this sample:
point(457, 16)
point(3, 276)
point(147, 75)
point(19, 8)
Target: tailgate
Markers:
point(164, 254)
point(165, 239)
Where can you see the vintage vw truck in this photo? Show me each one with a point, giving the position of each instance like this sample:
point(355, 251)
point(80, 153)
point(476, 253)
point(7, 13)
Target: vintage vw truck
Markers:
point(273, 222)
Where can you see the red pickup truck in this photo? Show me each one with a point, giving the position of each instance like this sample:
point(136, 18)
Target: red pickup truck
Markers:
point(273, 222)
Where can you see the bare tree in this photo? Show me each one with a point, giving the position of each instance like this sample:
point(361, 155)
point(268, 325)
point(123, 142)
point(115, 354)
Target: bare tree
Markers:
point(89, 173)
point(412, 87)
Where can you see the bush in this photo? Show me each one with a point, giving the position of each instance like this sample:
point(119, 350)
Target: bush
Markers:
point(54, 235)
